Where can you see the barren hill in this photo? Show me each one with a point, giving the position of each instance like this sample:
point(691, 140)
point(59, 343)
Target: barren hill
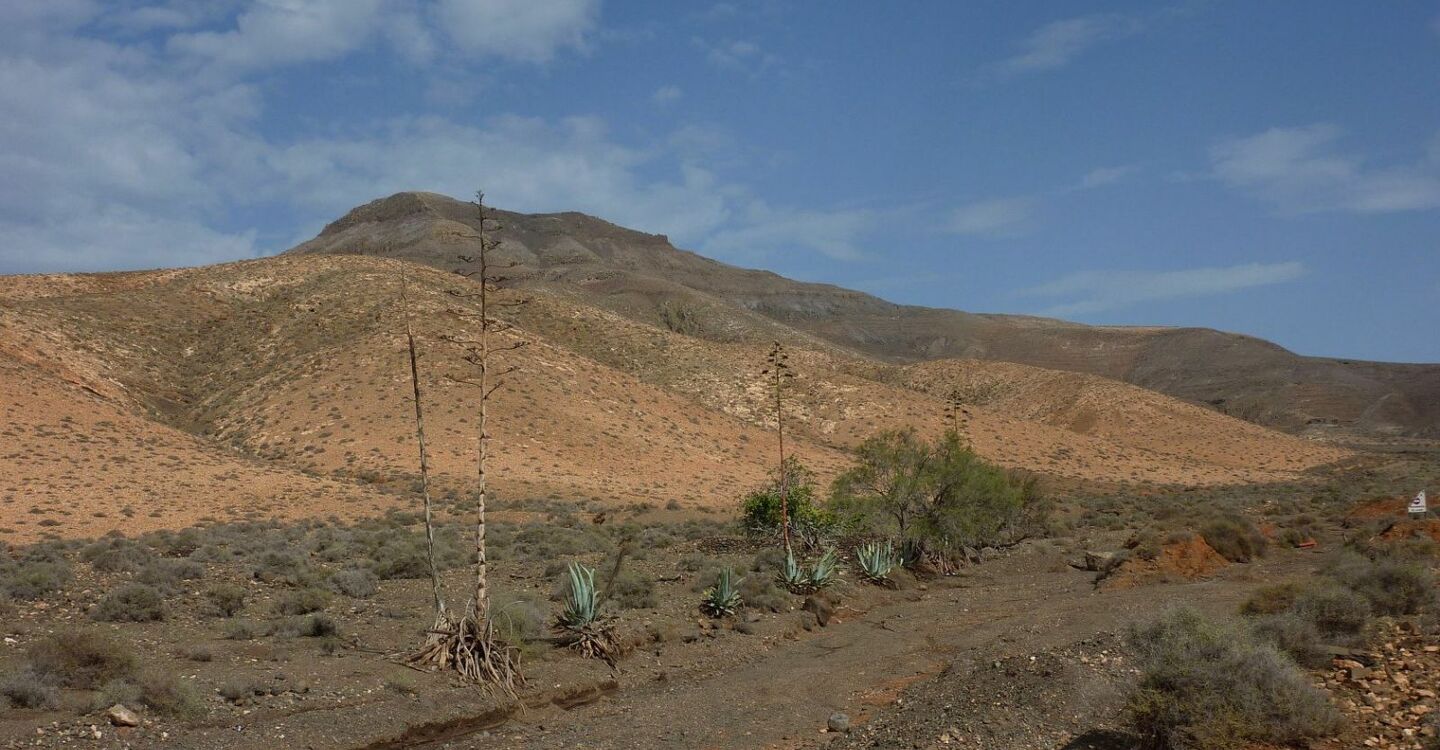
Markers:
point(644, 277)
point(279, 387)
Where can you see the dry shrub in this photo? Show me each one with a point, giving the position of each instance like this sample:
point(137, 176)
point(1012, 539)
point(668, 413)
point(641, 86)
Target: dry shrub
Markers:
point(133, 602)
point(1209, 686)
point(80, 659)
point(1236, 539)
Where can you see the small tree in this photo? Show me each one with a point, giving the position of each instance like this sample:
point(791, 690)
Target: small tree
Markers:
point(470, 644)
point(936, 496)
point(778, 369)
point(762, 509)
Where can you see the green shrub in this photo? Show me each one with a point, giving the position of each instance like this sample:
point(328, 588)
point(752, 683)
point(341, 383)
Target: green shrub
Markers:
point(80, 659)
point(760, 510)
point(941, 495)
point(133, 602)
point(1236, 539)
point(1209, 686)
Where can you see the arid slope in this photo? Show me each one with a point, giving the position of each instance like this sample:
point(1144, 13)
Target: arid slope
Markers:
point(644, 277)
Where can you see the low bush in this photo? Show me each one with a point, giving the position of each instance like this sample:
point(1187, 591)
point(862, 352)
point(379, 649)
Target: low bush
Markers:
point(167, 573)
point(133, 602)
point(356, 583)
point(80, 659)
point(243, 630)
point(318, 625)
point(26, 689)
point(225, 600)
point(1295, 635)
point(301, 602)
point(282, 567)
point(631, 590)
point(116, 555)
point(1392, 587)
point(1236, 539)
point(1209, 686)
point(170, 695)
point(29, 579)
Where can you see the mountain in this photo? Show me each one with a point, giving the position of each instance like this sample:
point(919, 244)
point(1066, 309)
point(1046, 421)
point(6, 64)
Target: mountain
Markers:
point(645, 278)
point(280, 387)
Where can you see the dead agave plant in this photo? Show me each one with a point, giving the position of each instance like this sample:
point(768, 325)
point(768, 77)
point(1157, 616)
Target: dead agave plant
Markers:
point(469, 643)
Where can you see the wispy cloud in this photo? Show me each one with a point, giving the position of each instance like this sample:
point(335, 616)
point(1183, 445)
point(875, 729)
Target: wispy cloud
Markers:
point(1097, 291)
point(1058, 43)
point(1013, 216)
point(668, 94)
point(995, 217)
point(737, 54)
point(1301, 170)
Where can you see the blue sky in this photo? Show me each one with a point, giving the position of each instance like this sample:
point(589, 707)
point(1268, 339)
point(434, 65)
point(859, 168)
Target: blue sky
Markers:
point(1268, 168)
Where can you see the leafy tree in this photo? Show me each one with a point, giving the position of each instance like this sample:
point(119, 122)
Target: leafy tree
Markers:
point(765, 508)
point(939, 496)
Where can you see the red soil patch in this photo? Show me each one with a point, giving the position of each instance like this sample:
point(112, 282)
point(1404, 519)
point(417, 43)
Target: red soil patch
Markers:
point(1421, 529)
point(1377, 508)
point(1188, 560)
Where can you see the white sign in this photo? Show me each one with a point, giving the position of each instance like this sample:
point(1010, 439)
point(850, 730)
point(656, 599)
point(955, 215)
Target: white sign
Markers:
point(1417, 505)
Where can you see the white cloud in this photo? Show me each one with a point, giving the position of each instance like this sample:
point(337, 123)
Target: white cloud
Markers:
point(114, 156)
point(996, 217)
point(272, 33)
point(1058, 43)
point(524, 30)
point(668, 94)
point(1299, 170)
point(1097, 291)
point(737, 54)
point(1105, 176)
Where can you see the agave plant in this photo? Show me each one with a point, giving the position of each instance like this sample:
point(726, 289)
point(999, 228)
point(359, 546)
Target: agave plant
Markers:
point(825, 571)
point(582, 602)
point(876, 561)
point(723, 598)
point(792, 576)
point(798, 580)
point(579, 622)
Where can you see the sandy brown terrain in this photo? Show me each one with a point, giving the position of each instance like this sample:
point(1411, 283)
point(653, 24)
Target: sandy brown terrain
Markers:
point(287, 372)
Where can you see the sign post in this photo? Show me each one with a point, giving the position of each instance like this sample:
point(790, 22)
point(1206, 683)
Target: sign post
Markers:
point(1417, 505)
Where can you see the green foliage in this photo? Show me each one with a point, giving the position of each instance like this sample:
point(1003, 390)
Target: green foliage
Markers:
point(1209, 686)
point(875, 561)
point(581, 603)
point(940, 495)
point(760, 510)
point(723, 598)
point(133, 602)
